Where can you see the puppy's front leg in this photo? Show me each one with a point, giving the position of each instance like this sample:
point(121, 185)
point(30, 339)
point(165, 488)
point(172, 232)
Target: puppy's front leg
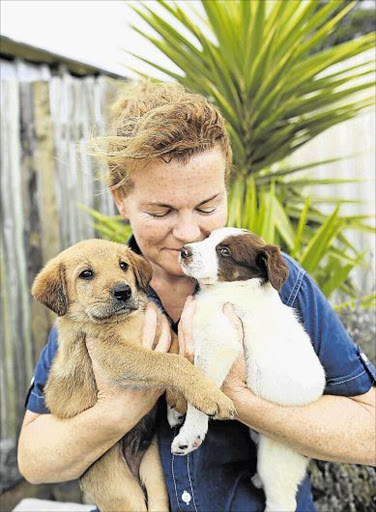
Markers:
point(215, 361)
point(133, 366)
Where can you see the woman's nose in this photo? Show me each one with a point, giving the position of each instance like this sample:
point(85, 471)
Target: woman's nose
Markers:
point(186, 229)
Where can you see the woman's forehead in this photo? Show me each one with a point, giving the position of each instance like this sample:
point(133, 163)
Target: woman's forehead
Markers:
point(199, 179)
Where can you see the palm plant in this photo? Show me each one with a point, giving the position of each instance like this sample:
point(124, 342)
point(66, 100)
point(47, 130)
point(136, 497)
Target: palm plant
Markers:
point(261, 71)
point(258, 61)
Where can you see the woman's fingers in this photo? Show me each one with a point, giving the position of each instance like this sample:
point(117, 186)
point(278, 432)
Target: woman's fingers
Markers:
point(185, 331)
point(150, 326)
point(157, 332)
point(164, 341)
point(229, 310)
point(236, 378)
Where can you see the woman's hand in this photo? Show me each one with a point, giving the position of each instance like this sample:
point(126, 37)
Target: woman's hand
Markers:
point(236, 381)
point(131, 403)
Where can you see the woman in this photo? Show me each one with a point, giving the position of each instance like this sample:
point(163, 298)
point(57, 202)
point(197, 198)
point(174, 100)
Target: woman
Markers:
point(169, 164)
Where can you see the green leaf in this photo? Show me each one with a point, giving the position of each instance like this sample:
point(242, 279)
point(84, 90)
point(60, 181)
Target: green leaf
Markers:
point(283, 224)
point(250, 206)
point(267, 217)
point(322, 239)
point(300, 228)
point(367, 301)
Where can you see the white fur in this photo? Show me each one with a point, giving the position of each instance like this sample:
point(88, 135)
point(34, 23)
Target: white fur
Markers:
point(282, 366)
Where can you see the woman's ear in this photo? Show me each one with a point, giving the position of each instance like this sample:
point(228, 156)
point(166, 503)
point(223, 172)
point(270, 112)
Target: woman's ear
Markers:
point(50, 287)
point(120, 201)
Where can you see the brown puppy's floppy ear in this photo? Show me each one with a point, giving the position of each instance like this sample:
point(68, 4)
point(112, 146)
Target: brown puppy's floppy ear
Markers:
point(276, 266)
point(50, 287)
point(142, 270)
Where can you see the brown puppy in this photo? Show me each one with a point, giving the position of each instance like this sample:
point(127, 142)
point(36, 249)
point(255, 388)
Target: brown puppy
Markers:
point(97, 288)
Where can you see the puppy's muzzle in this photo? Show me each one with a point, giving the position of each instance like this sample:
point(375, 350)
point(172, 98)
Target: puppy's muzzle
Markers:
point(122, 292)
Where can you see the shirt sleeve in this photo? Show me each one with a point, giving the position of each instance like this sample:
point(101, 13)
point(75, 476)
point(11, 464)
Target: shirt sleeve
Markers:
point(348, 370)
point(35, 396)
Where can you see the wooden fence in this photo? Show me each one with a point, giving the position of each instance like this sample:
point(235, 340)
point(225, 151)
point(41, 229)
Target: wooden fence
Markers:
point(45, 173)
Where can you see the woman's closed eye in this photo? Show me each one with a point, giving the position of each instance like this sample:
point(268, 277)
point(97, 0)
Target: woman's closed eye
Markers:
point(159, 214)
point(206, 211)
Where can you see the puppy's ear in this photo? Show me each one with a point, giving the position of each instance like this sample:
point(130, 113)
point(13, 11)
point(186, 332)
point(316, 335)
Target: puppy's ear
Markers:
point(276, 267)
point(50, 287)
point(142, 270)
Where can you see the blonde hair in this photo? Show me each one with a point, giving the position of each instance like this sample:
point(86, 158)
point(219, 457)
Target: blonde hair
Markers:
point(161, 121)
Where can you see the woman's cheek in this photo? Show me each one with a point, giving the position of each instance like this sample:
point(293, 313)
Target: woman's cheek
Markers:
point(218, 220)
point(155, 227)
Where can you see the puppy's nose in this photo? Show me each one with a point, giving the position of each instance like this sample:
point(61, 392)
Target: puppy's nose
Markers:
point(186, 252)
point(122, 292)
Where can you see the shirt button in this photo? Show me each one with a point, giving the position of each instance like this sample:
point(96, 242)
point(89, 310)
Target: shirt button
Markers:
point(186, 497)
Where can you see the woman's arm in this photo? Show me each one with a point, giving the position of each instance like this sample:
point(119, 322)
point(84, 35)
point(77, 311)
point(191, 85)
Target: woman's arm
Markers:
point(335, 428)
point(51, 449)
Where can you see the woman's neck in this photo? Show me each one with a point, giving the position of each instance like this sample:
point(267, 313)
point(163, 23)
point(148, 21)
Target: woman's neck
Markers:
point(173, 292)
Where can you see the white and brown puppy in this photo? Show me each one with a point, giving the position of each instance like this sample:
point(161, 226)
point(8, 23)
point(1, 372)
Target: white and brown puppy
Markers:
point(236, 266)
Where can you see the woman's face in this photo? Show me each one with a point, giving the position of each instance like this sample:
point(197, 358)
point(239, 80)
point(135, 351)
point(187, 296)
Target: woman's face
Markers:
point(172, 204)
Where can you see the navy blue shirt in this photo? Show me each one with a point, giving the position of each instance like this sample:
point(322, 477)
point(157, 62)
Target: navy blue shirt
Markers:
point(217, 476)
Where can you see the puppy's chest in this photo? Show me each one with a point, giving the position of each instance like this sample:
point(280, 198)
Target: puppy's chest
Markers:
point(260, 313)
point(210, 322)
point(128, 331)
point(210, 304)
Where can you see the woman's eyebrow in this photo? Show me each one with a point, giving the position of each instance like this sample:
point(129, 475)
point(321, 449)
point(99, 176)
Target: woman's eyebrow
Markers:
point(208, 200)
point(163, 205)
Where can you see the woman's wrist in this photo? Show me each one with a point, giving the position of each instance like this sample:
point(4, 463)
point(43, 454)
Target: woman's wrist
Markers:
point(248, 405)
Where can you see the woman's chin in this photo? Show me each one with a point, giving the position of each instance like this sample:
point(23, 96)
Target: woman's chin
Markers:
point(174, 268)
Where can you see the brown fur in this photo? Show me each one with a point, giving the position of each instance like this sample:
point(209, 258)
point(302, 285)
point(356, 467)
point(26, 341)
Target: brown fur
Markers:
point(251, 258)
point(89, 308)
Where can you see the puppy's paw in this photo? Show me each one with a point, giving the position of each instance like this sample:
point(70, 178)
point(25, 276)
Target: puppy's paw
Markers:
point(213, 402)
point(185, 443)
point(174, 417)
point(226, 409)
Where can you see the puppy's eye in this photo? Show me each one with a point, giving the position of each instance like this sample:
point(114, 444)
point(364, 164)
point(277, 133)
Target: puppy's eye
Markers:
point(86, 274)
point(124, 266)
point(224, 252)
